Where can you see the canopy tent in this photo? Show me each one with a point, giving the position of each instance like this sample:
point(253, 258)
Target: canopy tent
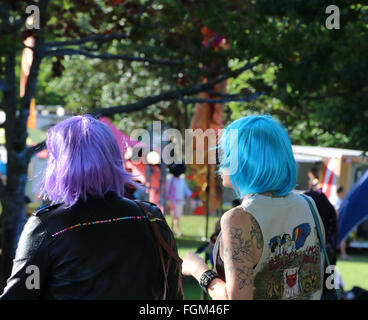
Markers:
point(325, 152)
point(354, 208)
point(337, 166)
point(307, 158)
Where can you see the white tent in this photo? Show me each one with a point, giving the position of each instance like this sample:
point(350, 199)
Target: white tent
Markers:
point(322, 153)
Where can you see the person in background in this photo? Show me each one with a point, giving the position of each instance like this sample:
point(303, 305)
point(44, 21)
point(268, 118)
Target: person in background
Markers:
point(177, 192)
point(313, 179)
point(340, 197)
point(337, 205)
point(329, 219)
point(2, 169)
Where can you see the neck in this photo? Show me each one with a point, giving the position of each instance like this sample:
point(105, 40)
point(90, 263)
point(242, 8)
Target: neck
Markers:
point(266, 194)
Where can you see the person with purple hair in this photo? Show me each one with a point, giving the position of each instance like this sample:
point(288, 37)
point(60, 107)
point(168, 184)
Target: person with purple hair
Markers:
point(91, 242)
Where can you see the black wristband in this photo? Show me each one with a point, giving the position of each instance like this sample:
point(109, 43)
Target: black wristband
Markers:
point(206, 279)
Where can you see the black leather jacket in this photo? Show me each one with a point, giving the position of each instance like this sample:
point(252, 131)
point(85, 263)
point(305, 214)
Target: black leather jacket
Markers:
point(116, 260)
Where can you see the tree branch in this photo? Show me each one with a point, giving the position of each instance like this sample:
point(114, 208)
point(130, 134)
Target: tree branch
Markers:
point(30, 89)
point(223, 95)
point(170, 95)
point(2, 190)
point(137, 22)
point(35, 149)
point(92, 38)
point(71, 52)
point(21, 120)
point(2, 85)
point(325, 96)
point(223, 100)
point(5, 15)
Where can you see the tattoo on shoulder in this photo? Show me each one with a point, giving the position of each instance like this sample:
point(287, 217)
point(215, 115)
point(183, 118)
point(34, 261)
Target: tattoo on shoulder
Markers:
point(241, 252)
point(256, 232)
point(239, 211)
point(242, 249)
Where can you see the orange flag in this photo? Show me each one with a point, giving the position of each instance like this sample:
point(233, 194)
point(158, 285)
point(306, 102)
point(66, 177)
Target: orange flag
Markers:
point(206, 116)
point(27, 58)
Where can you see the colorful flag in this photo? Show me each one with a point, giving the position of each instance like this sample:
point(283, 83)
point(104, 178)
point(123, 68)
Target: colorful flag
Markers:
point(206, 116)
point(27, 58)
point(329, 179)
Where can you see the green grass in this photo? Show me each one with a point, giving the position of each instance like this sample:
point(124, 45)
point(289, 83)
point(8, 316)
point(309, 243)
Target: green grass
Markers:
point(191, 289)
point(193, 228)
point(354, 272)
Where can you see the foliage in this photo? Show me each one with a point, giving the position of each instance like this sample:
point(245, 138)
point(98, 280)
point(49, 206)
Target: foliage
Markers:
point(319, 88)
point(313, 79)
point(169, 44)
point(109, 83)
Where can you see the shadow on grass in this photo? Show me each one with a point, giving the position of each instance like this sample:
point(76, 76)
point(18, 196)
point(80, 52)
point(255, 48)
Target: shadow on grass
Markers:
point(188, 243)
point(354, 258)
point(192, 290)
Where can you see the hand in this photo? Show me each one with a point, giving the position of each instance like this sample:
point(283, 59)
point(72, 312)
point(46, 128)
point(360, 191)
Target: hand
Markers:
point(193, 265)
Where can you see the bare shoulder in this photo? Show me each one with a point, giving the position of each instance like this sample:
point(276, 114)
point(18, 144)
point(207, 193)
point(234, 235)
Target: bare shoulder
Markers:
point(240, 219)
point(234, 216)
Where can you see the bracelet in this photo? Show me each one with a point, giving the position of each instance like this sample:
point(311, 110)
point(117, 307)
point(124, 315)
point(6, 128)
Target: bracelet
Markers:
point(206, 279)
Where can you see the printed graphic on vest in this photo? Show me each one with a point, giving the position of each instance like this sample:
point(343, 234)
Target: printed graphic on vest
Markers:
point(292, 270)
point(291, 288)
point(285, 243)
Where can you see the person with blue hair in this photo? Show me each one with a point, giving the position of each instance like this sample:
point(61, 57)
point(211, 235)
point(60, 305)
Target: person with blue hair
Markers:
point(2, 169)
point(268, 247)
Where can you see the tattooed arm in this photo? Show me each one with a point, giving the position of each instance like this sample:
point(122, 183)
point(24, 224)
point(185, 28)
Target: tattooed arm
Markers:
point(241, 245)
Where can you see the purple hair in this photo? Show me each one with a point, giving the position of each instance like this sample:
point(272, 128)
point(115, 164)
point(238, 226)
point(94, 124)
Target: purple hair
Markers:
point(84, 160)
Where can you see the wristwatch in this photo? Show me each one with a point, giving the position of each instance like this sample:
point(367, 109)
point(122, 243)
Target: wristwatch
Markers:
point(206, 279)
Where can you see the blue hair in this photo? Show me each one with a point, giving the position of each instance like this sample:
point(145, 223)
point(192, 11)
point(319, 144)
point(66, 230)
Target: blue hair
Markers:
point(263, 156)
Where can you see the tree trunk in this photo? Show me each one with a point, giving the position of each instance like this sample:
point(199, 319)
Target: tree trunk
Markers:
point(14, 218)
point(12, 194)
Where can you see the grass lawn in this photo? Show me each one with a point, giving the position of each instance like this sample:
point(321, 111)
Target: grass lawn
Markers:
point(354, 272)
point(193, 228)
